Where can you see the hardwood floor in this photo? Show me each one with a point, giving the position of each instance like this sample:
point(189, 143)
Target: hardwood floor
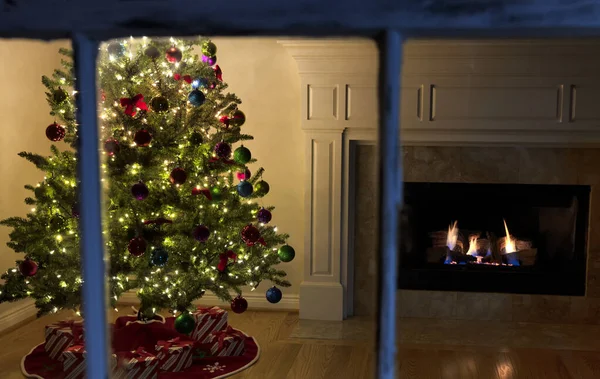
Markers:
point(346, 352)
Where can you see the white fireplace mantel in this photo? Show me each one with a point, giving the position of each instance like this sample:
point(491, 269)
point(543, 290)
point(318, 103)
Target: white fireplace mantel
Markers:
point(511, 92)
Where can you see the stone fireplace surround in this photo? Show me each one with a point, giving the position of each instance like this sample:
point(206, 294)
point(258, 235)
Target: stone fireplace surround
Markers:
point(513, 111)
point(481, 165)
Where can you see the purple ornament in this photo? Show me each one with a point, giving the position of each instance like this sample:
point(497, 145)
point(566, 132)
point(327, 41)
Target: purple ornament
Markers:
point(223, 150)
point(201, 233)
point(209, 60)
point(140, 191)
point(244, 175)
point(264, 216)
point(75, 210)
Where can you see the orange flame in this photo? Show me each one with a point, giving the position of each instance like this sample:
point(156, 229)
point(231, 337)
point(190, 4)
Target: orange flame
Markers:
point(452, 236)
point(472, 246)
point(509, 247)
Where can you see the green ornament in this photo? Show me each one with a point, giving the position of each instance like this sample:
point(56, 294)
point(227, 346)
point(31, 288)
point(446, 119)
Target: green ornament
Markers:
point(286, 253)
point(185, 323)
point(196, 139)
point(242, 155)
point(216, 193)
point(209, 49)
point(159, 104)
point(59, 95)
point(261, 188)
point(43, 192)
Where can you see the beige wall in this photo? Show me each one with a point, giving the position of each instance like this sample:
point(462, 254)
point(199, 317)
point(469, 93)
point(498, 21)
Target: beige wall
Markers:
point(259, 71)
point(24, 119)
point(265, 77)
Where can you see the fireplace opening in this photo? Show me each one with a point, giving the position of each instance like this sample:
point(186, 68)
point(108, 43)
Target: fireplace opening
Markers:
point(510, 238)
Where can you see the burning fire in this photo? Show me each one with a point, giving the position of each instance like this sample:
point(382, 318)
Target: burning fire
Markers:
point(510, 243)
point(472, 246)
point(452, 236)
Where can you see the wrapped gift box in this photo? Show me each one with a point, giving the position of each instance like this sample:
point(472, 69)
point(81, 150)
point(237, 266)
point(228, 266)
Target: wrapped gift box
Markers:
point(174, 355)
point(138, 364)
point(227, 343)
point(73, 359)
point(60, 335)
point(208, 320)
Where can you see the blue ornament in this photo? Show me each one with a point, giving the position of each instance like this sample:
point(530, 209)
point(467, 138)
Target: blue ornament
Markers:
point(159, 257)
point(245, 189)
point(274, 295)
point(116, 49)
point(196, 98)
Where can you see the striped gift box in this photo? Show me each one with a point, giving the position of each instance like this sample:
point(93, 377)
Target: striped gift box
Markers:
point(137, 364)
point(208, 320)
point(174, 355)
point(59, 336)
point(73, 359)
point(228, 343)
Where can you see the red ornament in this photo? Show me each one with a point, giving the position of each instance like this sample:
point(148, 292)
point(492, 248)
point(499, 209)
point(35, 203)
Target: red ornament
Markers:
point(133, 104)
point(137, 246)
point(178, 176)
point(55, 132)
point(111, 146)
point(224, 258)
point(28, 267)
point(201, 233)
point(239, 304)
point(173, 55)
point(142, 137)
point(250, 234)
point(197, 191)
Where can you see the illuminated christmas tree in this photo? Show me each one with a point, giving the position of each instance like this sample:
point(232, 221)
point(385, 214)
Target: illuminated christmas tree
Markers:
point(184, 215)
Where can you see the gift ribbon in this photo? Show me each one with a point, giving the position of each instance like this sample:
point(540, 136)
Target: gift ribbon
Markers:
point(228, 332)
point(186, 78)
point(205, 192)
point(224, 258)
point(218, 73)
point(140, 352)
point(131, 104)
point(213, 311)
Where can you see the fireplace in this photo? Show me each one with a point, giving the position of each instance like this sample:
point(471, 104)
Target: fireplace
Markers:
point(508, 238)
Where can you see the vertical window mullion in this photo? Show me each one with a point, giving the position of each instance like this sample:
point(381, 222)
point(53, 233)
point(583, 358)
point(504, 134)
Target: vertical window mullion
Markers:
point(390, 191)
point(92, 245)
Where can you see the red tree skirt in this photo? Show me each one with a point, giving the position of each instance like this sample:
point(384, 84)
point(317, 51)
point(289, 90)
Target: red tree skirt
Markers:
point(37, 364)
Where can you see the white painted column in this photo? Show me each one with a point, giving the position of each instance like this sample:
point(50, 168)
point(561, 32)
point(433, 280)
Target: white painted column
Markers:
point(334, 75)
point(321, 291)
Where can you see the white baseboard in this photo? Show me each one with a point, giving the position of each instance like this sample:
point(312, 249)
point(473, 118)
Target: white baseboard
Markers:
point(18, 312)
point(256, 301)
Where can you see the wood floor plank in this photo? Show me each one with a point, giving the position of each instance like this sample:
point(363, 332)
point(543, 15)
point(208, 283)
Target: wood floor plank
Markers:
point(283, 357)
point(311, 362)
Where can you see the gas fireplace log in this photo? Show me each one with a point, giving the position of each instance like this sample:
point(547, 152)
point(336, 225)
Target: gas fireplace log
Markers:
point(440, 239)
point(519, 244)
point(527, 257)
